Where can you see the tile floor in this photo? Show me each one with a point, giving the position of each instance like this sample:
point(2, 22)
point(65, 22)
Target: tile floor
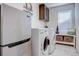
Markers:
point(63, 50)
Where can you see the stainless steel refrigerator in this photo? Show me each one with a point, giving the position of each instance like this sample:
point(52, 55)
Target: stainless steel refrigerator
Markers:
point(15, 32)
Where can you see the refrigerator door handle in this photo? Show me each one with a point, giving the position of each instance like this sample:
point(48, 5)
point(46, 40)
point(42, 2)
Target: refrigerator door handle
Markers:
point(16, 43)
point(3, 45)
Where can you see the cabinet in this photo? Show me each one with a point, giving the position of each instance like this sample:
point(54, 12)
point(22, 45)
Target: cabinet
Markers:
point(65, 39)
point(43, 12)
point(68, 39)
point(59, 38)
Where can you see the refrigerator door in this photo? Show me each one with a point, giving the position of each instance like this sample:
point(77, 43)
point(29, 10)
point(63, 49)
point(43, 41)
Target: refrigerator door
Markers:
point(15, 25)
point(19, 50)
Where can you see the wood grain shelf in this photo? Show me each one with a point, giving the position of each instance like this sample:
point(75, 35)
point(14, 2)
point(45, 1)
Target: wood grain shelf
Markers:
point(68, 43)
point(66, 39)
point(43, 12)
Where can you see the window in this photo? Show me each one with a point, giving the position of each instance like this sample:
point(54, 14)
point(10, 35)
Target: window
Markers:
point(64, 21)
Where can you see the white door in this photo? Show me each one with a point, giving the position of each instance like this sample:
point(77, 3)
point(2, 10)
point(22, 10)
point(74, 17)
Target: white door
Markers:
point(77, 25)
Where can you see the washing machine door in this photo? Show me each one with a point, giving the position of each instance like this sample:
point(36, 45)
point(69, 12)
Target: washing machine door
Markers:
point(45, 46)
point(52, 37)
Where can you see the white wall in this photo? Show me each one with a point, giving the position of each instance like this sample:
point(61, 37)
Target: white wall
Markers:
point(35, 22)
point(77, 25)
point(53, 19)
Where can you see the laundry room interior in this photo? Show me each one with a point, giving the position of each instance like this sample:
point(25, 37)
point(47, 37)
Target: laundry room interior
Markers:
point(39, 29)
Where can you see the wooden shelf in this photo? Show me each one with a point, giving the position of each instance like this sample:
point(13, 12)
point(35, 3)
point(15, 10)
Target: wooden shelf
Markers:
point(66, 35)
point(43, 12)
point(66, 39)
point(68, 43)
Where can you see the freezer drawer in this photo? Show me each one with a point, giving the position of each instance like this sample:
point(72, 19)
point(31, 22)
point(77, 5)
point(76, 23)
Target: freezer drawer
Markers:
point(21, 48)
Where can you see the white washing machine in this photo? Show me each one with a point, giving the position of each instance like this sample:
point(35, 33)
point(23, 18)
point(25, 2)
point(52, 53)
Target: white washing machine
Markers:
point(52, 37)
point(40, 42)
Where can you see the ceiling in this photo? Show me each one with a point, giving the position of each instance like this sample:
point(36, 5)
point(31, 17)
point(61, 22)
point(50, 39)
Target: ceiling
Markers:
point(49, 5)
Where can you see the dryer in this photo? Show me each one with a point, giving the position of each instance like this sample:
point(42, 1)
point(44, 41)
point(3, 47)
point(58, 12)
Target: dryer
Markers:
point(40, 42)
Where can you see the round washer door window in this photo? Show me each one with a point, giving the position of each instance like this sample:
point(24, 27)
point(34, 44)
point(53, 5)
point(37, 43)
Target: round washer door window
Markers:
point(44, 45)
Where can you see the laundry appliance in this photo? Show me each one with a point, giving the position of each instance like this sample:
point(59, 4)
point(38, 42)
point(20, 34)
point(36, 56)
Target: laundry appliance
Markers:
point(52, 37)
point(40, 42)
